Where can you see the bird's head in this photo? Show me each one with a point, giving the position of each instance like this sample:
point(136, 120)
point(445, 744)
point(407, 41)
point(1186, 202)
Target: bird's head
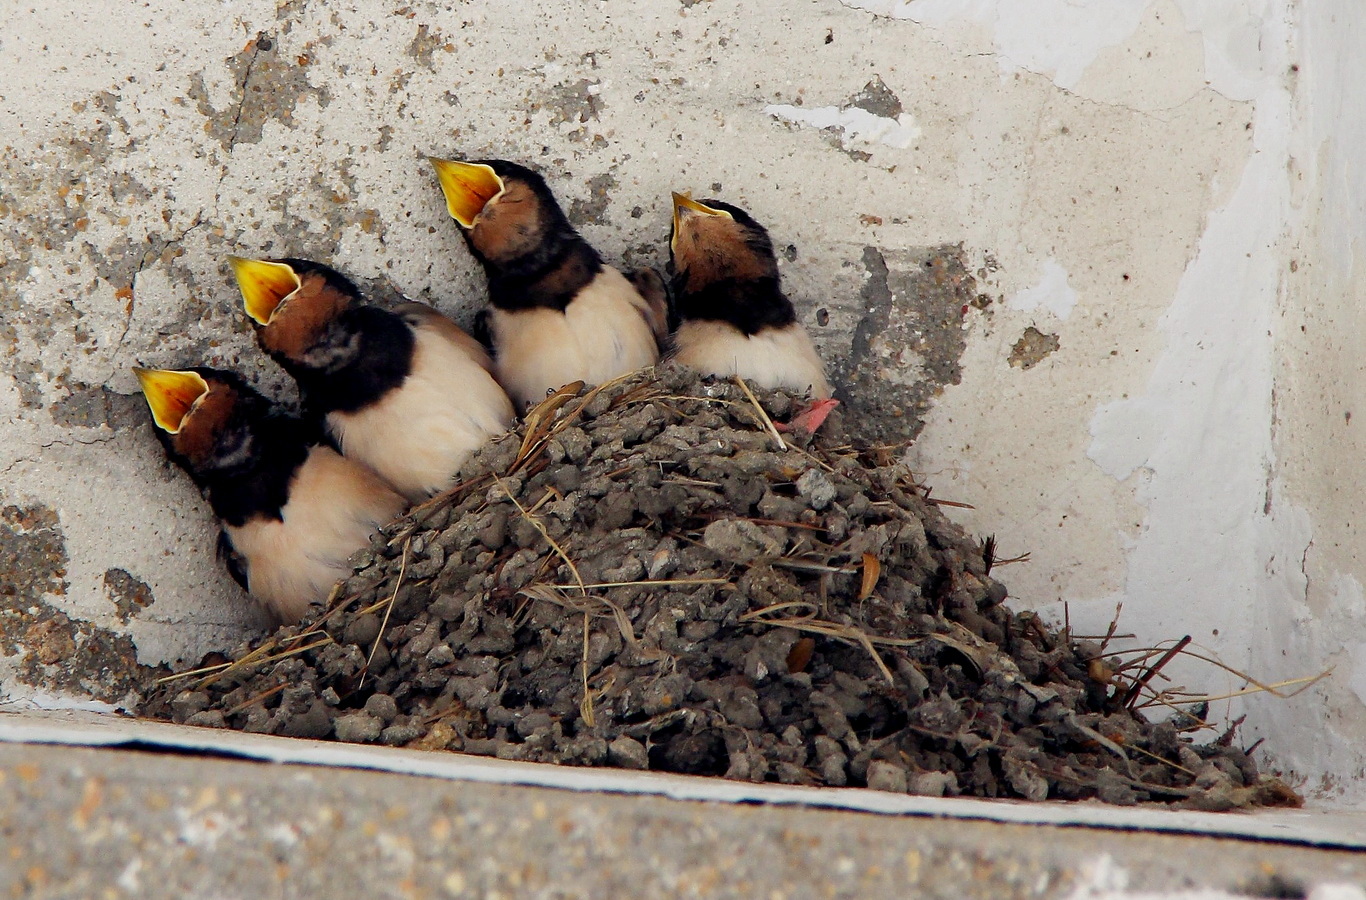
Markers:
point(206, 418)
point(295, 306)
point(713, 241)
point(506, 211)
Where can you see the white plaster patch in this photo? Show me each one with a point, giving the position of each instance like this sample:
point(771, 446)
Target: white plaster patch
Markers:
point(1059, 38)
point(33, 699)
point(1052, 293)
point(1358, 680)
point(1104, 879)
point(856, 125)
point(1233, 32)
point(1202, 426)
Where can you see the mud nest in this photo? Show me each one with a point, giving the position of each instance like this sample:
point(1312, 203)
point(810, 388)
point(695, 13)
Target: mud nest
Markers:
point(643, 576)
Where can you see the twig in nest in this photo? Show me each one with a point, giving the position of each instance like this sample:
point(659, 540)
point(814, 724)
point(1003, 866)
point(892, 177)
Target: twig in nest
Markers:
point(261, 656)
point(539, 421)
point(264, 695)
point(1304, 683)
point(190, 673)
point(763, 416)
point(1171, 697)
point(935, 501)
point(1162, 759)
point(803, 565)
point(586, 704)
point(1141, 681)
point(656, 582)
point(847, 633)
point(557, 426)
point(988, 553)
point(443, 498)
point(536, 523)
point(1259, 685)
point(1114, 624)
point(402, 570)
point(586, 604)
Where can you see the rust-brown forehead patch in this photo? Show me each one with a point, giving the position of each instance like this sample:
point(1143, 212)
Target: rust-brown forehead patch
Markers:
point(199, 432)
point(298, 324)
point(710, 248)
point(510, 225)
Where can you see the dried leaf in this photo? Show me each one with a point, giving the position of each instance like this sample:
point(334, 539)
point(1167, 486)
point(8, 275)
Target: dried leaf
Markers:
point(800, 655)
point(872, 570)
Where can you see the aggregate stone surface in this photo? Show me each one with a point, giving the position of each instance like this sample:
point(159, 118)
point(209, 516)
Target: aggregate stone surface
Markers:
point(86, 823)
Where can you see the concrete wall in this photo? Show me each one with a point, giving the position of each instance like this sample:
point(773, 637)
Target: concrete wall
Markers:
point(1138, 367)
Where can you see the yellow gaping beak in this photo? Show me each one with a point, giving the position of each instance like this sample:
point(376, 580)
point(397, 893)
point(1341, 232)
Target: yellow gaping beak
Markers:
point(170, 395)
point(468, 188)
point(264, 285)
point(685, 206)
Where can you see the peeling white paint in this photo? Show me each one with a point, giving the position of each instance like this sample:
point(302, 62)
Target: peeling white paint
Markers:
point(857, 126)
point(1239, 61)
point(1203, 424)
point(21, 697)
point(1052, 293)
point(1058, 38)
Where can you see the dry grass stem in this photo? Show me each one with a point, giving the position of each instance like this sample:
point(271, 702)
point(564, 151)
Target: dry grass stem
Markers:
point(660, 582)
point(539, 526)
point(763, 416)
point(264, 695)
point(1304, 683)
point(847, 633)
point(261, 656)
point(388, 610)
point(1141, 681)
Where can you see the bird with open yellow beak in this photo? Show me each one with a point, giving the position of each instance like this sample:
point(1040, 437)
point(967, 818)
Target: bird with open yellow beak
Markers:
point(404, 391)
point(733, 317)
point(558, 313)
point(291, 509)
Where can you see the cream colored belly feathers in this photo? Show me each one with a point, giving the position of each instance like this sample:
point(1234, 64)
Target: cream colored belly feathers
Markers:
point(604, 333)
point(419, 435)
point(773, 358)
point(334, 507)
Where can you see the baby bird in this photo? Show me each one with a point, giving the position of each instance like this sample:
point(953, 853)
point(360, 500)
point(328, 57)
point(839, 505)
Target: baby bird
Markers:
point(733, 316)
point(558, 313)
point(291, 508)
point(407, 392)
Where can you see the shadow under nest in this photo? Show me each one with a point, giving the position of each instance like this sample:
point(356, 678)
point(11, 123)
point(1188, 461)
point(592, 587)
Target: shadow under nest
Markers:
point(648, 575)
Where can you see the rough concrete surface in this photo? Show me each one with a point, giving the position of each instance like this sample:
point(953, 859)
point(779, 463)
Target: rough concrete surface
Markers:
point(115, 823)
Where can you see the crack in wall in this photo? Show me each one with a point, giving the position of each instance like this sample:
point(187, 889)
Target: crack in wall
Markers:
point(242, 88)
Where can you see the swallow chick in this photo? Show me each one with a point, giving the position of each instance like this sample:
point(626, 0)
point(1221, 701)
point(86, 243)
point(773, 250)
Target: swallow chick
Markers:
point(558, 314)
point(406, 392)
point(733, 317)
point(292, 510)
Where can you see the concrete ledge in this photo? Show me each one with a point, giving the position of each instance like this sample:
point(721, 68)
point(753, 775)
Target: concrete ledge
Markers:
point(1315, 827)
point(135, 812)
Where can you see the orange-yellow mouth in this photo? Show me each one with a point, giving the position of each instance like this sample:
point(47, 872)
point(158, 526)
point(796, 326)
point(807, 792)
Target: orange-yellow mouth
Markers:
point(468, 187)
point(171, 395)
point(685, 206)
point(265, 286)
